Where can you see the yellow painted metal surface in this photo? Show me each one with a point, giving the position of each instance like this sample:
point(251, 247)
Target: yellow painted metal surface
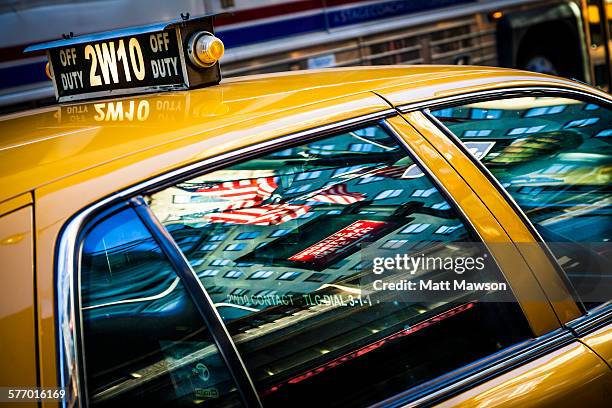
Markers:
point(15, 203)
point(430, 85)
point(17, 339)
point(569, 377)
point(600, 341)
point(522, 281)
point(44, 145)
point(547, 277)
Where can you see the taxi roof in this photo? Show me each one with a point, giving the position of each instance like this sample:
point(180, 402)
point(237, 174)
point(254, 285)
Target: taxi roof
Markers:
point(40, 146)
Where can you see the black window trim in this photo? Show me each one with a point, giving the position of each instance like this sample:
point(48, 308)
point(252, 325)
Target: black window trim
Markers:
point(603, 313)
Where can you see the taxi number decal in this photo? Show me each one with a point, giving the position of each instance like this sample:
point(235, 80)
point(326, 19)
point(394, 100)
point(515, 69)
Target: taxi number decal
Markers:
point(105, 53)
point(138, 61)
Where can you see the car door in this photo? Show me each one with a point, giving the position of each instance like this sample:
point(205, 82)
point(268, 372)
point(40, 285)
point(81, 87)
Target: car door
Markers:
point(540, 161)
point(285, 245)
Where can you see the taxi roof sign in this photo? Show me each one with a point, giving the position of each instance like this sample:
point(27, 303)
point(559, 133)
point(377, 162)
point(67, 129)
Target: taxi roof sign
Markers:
point(151, 58)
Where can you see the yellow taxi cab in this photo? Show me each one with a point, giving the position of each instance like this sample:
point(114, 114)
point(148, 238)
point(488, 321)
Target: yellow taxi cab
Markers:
point(390, 236)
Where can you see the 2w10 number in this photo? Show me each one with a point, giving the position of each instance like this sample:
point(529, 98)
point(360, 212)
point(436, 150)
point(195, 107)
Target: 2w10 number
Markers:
point(108, 57)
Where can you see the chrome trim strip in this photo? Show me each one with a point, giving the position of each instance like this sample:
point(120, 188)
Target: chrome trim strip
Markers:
point(462, 379)
point(593, 320)
point(480, 96)
point(69, 369)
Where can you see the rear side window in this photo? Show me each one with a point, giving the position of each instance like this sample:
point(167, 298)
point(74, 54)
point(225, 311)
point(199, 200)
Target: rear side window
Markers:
point(554, 157)
point(284, 244)
point(145, 343)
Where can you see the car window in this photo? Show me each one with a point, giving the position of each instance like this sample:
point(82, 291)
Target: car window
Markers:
point(144, 341)
point(554, 157)
point(286, 245)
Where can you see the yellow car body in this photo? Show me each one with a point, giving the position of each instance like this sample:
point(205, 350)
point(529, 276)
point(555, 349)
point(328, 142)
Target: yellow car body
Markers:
point(57, 161)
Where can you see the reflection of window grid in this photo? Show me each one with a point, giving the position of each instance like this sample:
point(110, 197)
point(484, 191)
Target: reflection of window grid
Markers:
point(208, 272)
point(388, 194)
point(415, 228)
point(349, 169)
point(478, 113)
point(248, 235)
point(370, 179)
point(544, 110)
point(581, 123)
point(446, 229)
point(477, 133)
point(323, 149)
point(186, 240)
point(266, 292)
point(260, 275)
point(443, 113)
point(424, 193)
point(525, 130)
point(309, 175)
point(220, 262)
point(233, 274)
point(289, 276)
point(217, 237)
point(235, 247)
point(239, 292)
point(278, 233)
point(394, 243)
point(209, 247)
point(196, 262)
point(590, 107)
point(604, 133)
point(298, 189)
point(443, 205)
point(361, 147)
point(316, 277)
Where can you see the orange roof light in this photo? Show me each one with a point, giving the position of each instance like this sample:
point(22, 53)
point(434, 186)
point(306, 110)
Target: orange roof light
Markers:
point(48, 71)
point(205, 49)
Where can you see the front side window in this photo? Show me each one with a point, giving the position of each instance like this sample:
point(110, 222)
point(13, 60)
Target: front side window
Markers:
point(292, 294)
point(554, 157)
point(145, 343)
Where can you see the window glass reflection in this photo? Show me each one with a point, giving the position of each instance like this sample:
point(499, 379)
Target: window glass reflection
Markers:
point(554, 157)
point(144, 340)
point(291, 292)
